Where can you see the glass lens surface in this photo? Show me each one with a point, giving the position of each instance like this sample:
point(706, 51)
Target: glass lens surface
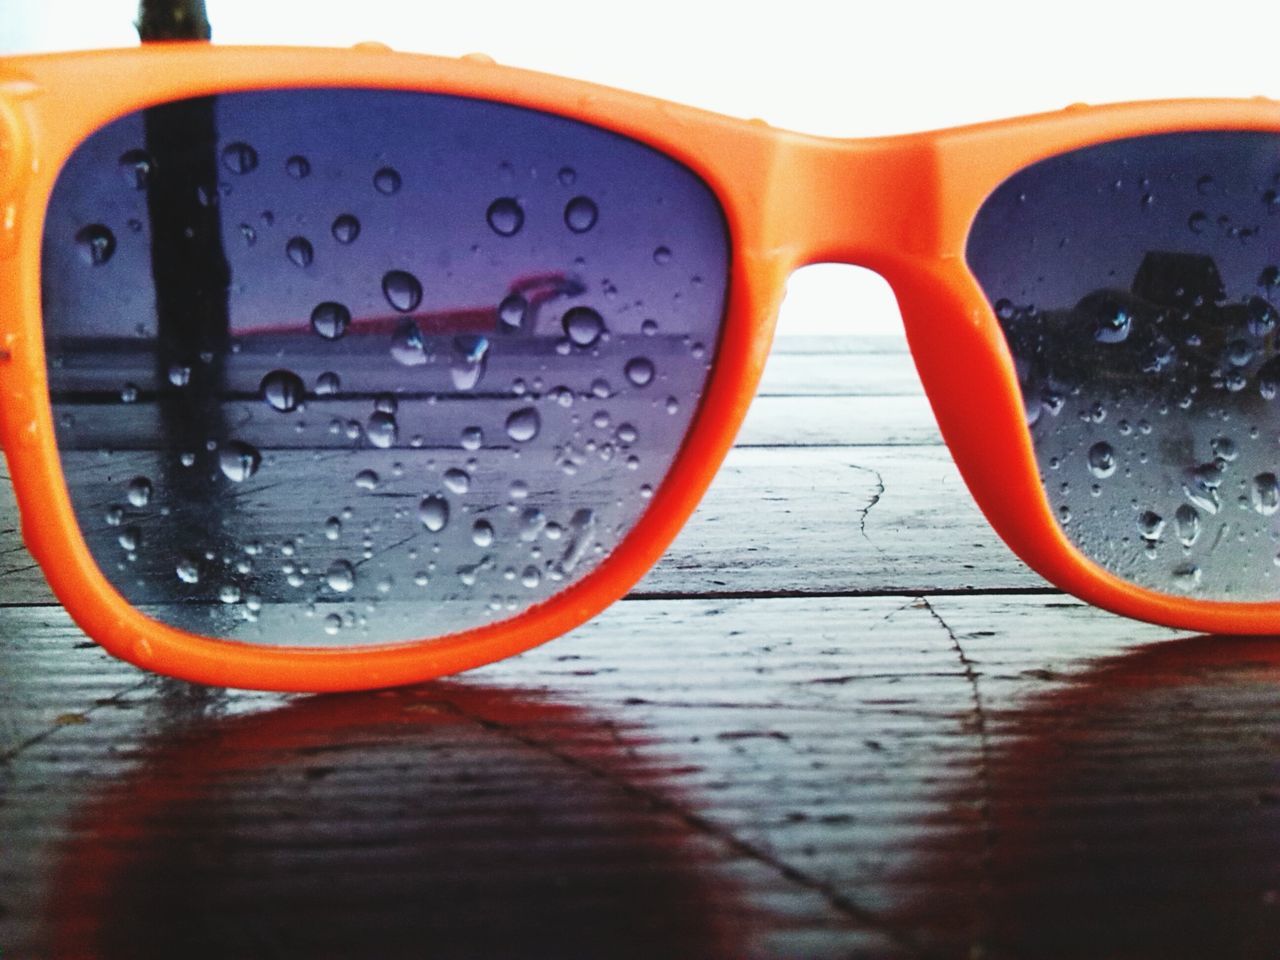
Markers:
point(1137, 284)
point(338, 367)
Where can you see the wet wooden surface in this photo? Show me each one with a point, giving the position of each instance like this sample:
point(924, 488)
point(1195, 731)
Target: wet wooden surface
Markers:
point(838, 720)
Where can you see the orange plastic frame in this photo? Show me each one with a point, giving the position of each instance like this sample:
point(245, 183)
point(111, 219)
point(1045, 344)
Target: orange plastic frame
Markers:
point(901, 206)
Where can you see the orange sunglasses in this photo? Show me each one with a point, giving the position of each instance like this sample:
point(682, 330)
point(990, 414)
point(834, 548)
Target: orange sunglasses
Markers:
point(339, 369)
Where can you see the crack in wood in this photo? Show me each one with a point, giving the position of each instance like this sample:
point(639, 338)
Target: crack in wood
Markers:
point(12, 753)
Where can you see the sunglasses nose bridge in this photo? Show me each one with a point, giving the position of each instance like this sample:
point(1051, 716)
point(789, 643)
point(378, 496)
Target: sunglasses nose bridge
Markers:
point(870, 203)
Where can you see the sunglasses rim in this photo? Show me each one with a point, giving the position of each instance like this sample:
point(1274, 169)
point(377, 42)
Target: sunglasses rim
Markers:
point(916, 197)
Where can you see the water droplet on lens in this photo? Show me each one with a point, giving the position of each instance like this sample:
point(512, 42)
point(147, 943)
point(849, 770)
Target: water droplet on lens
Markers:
point(640, 371)
point(229, 593)
point(1186, 577)
point(567, 176)
point(330, 320)
point(1204, 186)
point(531, 577)
point(505, 216)
point(300, 251)
point(1150, 525)
point(407, 345)
point(583, 326)
point(1224, 447)
point(135, 166)
point(402, 290)
point(1102, 460)
point(1201, 484)
point(333, 624)
point(97, 244)
point(1262, 316)
point(382, 430)
point(239, 157)
point(1187, 522)
point(433, 512)
point(523, 425)
point(1264, 494)
point(458, 481)
point(345, 228)
point(327, 384)
point(482, 533)
point(367, 480)
point(341, 576)
point(179, 374)
point(512, 312)
point(1198, 221)
point(139, 491)
point(468, 365)
point(130, 539)
point(332, 528)
point(662, 255)
point(472, 438)
point(580, 214)
point(387, 181)
point(283, 390)
point(238, 460)
point(188, 570)
point(298, 166)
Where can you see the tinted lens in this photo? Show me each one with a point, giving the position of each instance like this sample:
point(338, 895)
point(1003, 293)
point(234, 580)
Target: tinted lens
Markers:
point(342, 367)
point(1137, 284)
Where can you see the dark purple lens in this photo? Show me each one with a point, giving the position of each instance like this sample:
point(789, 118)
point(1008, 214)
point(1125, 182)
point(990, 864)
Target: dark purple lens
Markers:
point(1137, 283)
point(346, 367)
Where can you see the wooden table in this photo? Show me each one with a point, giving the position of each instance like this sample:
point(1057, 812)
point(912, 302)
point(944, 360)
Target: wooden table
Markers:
point(839, 719)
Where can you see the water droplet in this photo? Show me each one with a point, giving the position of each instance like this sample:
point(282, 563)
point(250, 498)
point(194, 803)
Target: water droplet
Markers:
point(512, 312)
point(458, 481)
point(330, 320)
point(662, 256)
point(1198, 221)
point(367, 480)
point(580, 214)
point(1200, 486)
point(345, 228)
point(1224, 447)
point(523, 425)
point(387, 181)
point(1102, 460)
point(229, 593)
point(139, 491)
point(402, 290)
point(248, 234)
point(283, 390)
point(1264, 494)
point(327, 384)
point(1187, 523)
point(567, 176)
point(179, 374)
point(238, 460)
point(482, 533)
point(583, 326)
point(298, 166)
point(332, 528)
point(130, 539)
point(300, 251)
point(582, 532)
point(239, 157)
point(1262, 316)
point(433, 512)
point(97, 244)
point(341, 576)
point(531, 577)
point(1112, 322)
point(518, 490)
point(639, 371)
point(1150, 525)
point(469, 355)
point(382, 430)
point(1269, 279)
point(472, 438)
point(407, 345)
point(505, 216)
point(332, 624)
point(1186, 577)
point(188, 570)
point(135, 166)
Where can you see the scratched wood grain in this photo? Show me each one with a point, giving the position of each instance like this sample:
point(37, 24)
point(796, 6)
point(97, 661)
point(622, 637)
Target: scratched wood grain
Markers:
point(800, 737)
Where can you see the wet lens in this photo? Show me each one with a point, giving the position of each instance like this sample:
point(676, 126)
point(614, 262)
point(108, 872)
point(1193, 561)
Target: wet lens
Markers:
point(1137, 284)
point(345, 367)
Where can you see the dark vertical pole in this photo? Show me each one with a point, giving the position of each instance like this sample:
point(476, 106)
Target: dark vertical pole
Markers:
point(191, 278)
